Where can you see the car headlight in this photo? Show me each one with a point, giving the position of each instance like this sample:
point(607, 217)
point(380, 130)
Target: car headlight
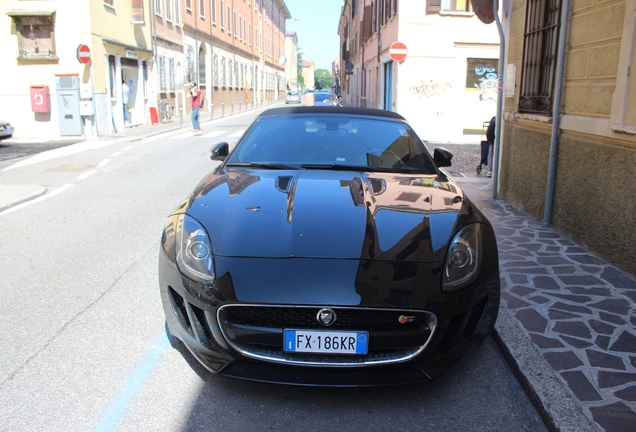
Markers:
point(194, 251)
point(463, 259)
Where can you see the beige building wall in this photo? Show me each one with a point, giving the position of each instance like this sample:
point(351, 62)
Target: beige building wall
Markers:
point(594, 185)
point(72, 27)
point(291, 65)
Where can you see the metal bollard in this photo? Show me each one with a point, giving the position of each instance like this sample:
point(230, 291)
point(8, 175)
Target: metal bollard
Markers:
point(240, 106)
point(232, 112)
point(223, 109)
point(211, 111)
point(180, 117)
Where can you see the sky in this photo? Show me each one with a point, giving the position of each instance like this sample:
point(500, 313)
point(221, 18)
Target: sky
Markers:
point(316, 27)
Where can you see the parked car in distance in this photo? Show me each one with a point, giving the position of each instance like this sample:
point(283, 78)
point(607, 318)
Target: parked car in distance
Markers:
point(329, 248)
point(6, 130)
point(292, 97)
point(326, 98)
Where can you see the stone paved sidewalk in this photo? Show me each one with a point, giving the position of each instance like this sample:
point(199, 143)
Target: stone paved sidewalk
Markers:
point(577, 309)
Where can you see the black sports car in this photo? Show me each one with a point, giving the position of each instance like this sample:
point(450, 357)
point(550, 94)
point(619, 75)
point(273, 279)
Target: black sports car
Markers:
point(328, 248)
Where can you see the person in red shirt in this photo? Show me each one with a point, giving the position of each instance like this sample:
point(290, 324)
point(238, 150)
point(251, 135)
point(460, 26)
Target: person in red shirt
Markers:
point(195, 94)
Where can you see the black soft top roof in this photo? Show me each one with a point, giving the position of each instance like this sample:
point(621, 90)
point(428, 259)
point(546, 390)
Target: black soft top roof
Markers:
point(332, 110)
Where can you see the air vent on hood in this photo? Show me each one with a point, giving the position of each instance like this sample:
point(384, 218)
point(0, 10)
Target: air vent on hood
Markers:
point(283, 183)
point(377, 186)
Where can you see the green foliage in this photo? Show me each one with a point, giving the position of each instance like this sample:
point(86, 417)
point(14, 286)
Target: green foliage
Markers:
point(301, 80)
point(323, 79)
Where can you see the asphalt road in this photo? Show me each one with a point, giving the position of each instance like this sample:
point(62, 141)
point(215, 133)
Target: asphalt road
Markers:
point(83, 344)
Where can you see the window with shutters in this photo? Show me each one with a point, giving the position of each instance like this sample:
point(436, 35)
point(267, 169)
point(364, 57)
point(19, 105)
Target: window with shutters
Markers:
point(456, 5)
point(540, 44)
point(168, 10)
point(36, 35)
point(434, 6)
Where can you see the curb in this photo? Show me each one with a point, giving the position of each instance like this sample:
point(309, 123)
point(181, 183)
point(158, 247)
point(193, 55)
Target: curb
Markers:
point(23, 193)
point(557, 408)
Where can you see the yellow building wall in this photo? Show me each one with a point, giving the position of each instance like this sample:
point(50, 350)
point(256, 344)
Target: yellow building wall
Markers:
point(597, 136)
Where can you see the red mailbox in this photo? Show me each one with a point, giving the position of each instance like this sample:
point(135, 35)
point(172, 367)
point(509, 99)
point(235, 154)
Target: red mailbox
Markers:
point(40, 101)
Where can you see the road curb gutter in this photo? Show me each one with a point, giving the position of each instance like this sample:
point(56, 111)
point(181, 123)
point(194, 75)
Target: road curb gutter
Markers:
point(558, 409)
point(13, 195)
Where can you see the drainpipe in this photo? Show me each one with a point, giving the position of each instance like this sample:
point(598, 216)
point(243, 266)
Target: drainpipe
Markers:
point(556, 113)
point(500, 98)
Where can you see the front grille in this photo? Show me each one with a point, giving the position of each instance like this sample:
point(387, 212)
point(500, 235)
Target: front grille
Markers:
point(257, 331)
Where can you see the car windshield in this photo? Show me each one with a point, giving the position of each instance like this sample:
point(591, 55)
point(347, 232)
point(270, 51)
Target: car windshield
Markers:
point(327, 141)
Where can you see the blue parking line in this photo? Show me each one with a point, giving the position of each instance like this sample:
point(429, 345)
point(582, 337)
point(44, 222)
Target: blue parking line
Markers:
point(115, 412)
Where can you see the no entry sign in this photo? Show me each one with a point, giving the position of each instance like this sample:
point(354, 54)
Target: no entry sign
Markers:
point(83, 54)
point(398, 51)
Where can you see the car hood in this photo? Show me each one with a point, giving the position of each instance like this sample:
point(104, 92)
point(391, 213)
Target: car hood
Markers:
point(329, 214)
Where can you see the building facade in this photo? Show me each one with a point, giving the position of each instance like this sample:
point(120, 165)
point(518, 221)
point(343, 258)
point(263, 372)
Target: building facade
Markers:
point(449, 77)
point(291, 60)
point(143, 53)
point(593, 149)
point(58, 89)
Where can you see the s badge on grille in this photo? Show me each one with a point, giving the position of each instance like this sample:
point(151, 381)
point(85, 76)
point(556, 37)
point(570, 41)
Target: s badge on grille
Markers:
point(326, 317)
point(403, 319)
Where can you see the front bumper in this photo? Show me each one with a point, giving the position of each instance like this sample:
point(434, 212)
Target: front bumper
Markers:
point(450, 326)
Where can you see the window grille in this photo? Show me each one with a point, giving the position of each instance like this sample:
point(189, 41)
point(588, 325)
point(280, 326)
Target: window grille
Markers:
point(215, 59)
point(171, 74)
point(230, 73)
point(162, 74)
point(223, 71)
point(540, 42)
point(201, 67)
point(190, 58)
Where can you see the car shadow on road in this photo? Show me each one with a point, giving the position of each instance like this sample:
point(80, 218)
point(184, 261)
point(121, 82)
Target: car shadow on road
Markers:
point(479, 393)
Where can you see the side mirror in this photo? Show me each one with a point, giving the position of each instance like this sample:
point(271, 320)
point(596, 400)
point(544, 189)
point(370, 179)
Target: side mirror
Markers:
point(442, 157)
point(220, 151)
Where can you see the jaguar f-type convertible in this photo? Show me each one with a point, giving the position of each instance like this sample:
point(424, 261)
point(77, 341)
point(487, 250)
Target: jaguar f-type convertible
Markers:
point(329, 248)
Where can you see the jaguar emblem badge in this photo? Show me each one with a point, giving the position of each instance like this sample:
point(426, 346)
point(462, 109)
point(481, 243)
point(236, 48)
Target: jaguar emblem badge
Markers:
point(326, 317)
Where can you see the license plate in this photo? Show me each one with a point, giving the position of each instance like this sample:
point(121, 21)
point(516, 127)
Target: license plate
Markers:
point(326, 342)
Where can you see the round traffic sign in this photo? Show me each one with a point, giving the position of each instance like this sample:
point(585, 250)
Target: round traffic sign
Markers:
point(83, 54)
point(398, 51)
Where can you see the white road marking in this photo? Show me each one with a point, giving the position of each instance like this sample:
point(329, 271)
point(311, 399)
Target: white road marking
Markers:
point(116, 154)
point(60, 152)
point(213, 134)
point(237, 134)
point(42, 198)
point(183, 135)
point(128, 148)
point(103, 163)
point(87, 174)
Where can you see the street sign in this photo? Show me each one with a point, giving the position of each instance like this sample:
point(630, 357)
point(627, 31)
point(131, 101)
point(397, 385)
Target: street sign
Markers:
point(83, 54)
point(398, 51)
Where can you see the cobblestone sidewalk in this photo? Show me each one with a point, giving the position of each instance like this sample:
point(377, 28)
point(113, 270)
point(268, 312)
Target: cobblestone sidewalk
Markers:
point(577, 309)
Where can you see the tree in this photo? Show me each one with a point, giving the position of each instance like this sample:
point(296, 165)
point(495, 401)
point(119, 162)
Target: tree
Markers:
point(323, 79)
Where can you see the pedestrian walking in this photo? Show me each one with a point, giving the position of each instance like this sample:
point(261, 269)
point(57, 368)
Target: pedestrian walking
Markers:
point(490, 136)
point(195, 94)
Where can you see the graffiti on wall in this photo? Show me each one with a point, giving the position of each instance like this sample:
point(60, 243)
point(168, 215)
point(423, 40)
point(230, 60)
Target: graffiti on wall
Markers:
point(430, 88)
point(488, 82)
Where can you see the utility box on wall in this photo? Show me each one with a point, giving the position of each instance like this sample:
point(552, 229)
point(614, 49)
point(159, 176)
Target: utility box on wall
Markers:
point(68, 92)
point(40, 101)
